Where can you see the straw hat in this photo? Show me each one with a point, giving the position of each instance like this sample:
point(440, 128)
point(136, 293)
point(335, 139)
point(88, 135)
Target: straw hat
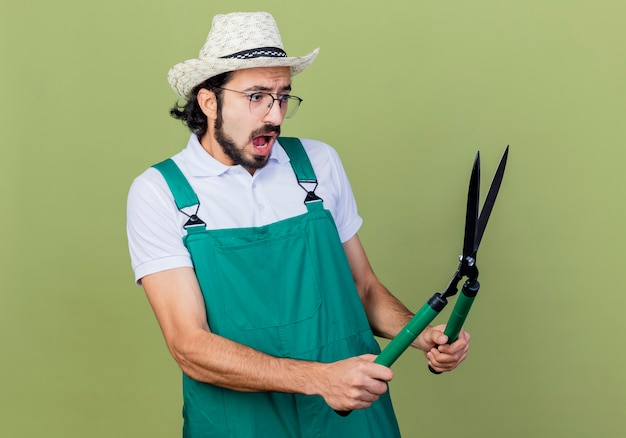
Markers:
point(236, 41)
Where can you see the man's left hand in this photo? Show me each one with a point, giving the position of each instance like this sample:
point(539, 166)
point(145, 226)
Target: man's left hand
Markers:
point(442, 356)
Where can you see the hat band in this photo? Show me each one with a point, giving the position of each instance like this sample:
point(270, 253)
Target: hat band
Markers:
point(269, 52)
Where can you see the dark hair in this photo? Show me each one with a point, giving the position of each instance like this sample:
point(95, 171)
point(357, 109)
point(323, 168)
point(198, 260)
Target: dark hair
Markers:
point(190, 113)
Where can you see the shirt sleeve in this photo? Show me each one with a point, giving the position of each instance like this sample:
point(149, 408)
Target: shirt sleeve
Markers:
point(336, 190)
point(348, 219)
point(153, 226)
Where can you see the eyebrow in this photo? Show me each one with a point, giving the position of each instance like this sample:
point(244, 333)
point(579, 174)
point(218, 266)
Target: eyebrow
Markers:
point(267, 89)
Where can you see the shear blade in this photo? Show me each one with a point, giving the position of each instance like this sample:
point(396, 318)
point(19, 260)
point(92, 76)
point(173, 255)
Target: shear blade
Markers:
point(471, 215)
point(490, 200)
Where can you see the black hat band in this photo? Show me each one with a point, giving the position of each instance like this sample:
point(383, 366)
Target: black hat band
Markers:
point(261, 52)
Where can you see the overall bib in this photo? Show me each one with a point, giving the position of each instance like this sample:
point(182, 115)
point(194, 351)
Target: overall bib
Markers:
point(302, 304)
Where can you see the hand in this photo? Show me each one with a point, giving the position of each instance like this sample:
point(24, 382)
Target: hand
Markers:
point(354, 383)
point(441, 356)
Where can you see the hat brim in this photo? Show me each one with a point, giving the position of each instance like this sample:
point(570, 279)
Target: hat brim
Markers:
point(185, 76)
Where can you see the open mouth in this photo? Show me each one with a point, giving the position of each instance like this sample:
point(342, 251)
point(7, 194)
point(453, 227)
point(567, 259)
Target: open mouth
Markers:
point(262, 141)
point(262, 144)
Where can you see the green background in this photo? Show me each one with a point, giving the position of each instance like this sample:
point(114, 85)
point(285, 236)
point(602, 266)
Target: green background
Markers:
point(406, 91)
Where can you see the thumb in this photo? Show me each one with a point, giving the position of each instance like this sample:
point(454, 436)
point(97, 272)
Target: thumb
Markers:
point(441, 339)
point(437, 336)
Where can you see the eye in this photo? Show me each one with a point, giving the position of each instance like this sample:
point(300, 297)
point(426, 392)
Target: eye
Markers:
point(255, 97)
point(284, 98)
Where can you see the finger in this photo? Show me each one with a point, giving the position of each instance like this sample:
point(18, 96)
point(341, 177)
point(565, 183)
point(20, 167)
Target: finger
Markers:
point(362, 398)
point(361, 404)
point(369, 397)
point(368, 384)
point(368, 357)
point(434, 365)
point(447, 362)
point(437, 335)
point(451, 349)
point(378, 371)
point(458, 346)
point(382, 374)
point(466, 335)
point(447, 353)
point(431, 337)
point(377, 387)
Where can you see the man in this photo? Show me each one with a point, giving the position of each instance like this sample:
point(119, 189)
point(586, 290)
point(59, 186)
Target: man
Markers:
point(246, 245)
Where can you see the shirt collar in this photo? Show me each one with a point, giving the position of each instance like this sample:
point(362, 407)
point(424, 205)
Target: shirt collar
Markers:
point(201, 163)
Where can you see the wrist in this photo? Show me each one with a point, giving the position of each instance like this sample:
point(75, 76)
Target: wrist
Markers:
point(306, 377)
point(315, 376)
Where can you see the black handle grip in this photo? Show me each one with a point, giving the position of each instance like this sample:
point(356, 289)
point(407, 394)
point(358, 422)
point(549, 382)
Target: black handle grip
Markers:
point(434, 371)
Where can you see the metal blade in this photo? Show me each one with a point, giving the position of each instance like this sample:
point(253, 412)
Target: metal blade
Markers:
point(490, 200)
point(472, 209)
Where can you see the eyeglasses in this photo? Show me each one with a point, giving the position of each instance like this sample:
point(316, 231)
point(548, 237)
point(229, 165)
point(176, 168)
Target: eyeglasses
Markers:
point(261, 103)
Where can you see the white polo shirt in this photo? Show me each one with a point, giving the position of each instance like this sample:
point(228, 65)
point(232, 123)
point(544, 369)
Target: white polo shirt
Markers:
point(229, 198)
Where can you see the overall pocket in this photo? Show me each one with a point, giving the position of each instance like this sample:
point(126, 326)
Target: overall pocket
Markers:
point(270, 282)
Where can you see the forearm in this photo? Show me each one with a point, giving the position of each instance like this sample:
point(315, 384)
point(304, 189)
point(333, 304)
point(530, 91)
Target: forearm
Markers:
point(213, 359)
point(386, 314)
point(352, 383)
point(178, 304)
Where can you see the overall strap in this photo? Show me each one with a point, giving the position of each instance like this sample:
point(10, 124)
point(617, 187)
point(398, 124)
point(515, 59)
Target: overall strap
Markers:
point(302, 167)
point(184, 196)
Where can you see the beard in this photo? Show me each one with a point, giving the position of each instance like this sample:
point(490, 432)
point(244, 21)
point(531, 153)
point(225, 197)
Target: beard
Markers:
point(237, 154)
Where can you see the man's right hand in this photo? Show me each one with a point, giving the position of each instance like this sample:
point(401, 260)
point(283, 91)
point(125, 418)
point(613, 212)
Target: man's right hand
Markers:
point(353, 383)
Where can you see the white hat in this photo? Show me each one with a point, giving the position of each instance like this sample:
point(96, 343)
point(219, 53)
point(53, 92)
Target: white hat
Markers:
point(236, 41)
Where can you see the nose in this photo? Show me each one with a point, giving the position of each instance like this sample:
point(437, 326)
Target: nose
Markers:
point(274, 114)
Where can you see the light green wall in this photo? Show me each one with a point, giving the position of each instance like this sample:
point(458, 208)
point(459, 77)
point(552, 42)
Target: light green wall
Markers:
point(406, 91)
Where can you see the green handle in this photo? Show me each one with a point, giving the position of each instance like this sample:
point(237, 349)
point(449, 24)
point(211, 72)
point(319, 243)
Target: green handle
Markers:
point(414, 327)
point(458, 316)
point(459, 313)
point(411, 330)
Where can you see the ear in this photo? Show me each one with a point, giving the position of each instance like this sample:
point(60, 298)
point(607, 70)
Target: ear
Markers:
point(208, 103)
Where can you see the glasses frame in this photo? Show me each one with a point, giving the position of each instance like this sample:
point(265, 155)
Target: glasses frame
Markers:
point(283, 98)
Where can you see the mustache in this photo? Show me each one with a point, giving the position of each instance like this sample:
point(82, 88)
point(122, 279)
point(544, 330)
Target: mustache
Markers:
point(268, 128)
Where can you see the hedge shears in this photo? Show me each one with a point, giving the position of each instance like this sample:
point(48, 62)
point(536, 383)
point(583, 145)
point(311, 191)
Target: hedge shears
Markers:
point(474, 228)
point(475, 224)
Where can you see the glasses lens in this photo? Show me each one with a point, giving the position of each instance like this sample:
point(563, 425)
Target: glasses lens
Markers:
point(261, 103)
point(292, 104)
